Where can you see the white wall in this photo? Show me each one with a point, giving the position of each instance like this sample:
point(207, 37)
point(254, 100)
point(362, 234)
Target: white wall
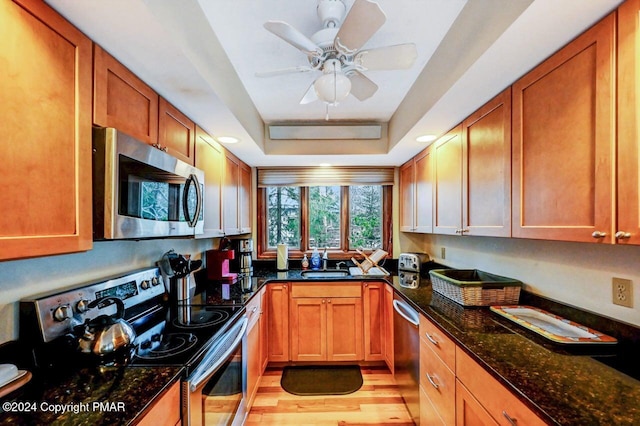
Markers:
point(21, 278)
point(577, 274)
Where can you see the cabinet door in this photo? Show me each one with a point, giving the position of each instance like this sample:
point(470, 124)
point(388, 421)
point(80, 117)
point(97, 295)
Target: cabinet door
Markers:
point(423, 220)
point(230, 195)
point(563, 136)
point(122, 100)
point(344, 329)
point(373, 321)
point(244, 199)
point(628, 199)
point(264, 330)
point(407, 196)
point(486, 177)
point(469, 412)
point(308, 329)
point(388, 326)
point(278, 322)
point(253, 362)
point(428, 413)
point(45, 133)
point(496, 399)
point(209, 158)
point(447, 154)
point(176, 132)
point(166, 410)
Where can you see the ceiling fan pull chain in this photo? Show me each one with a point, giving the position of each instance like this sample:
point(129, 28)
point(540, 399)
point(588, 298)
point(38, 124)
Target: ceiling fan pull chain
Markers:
point(326, 117)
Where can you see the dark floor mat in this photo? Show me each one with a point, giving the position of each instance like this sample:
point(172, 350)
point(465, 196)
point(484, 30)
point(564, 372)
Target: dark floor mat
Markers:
point(321, 379)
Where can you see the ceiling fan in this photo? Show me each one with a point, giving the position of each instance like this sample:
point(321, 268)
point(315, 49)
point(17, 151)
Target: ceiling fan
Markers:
point(335, 50)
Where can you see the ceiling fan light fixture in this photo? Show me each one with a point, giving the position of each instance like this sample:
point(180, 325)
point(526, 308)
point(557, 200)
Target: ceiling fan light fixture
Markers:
point(332, 86)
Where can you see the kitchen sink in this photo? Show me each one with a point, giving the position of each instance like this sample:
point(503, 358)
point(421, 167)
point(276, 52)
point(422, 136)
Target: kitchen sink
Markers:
point(325, 273)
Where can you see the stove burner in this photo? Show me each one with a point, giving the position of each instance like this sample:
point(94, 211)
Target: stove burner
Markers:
point(191, 317)
point(168, 345)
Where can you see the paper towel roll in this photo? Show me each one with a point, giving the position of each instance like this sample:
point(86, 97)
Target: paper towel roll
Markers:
point(283, 257)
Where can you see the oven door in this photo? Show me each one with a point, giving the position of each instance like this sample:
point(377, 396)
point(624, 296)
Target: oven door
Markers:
point(212, 394)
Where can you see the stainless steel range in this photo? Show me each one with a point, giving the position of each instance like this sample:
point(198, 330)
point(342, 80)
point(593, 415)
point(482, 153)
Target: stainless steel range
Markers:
point(206, 339)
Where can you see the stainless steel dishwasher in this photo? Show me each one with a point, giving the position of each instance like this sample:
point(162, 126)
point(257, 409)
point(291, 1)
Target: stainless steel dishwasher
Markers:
point(406, 352)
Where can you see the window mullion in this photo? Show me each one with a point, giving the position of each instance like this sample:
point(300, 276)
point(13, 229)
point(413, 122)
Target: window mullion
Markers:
point(344, 218)
point(304, 219)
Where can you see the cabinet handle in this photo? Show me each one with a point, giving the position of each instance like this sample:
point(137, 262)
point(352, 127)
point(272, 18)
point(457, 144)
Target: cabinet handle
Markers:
point(433, 383)
point(284, 286)
point(322, 300)
point(329, 301)
point(621, 235)
point(458, 231)
point(431, 339)
point(511, 420)
point(598, 234)
point(255, 308)
point(464, 231)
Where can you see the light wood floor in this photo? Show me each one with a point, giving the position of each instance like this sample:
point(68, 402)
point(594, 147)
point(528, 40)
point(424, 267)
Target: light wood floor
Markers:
point(376, 403)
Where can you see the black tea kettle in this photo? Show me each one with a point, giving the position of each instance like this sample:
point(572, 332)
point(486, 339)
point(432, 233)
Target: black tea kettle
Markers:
point(106, 334)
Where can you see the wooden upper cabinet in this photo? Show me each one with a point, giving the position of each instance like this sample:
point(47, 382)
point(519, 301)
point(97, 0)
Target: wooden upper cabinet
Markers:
point(416, 193)
point(407, 196)
point(628, 199)
point(244, 199)
point(230, 192)
point(447, 154)
point(176, 132)
point(486, 169)
point(45, 133)
point(210, 159)
point(563, 140)
point(423, 216)
point(122, 100)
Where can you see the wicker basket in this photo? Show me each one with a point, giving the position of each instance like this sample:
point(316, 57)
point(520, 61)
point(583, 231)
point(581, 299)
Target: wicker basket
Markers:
point(471, 287)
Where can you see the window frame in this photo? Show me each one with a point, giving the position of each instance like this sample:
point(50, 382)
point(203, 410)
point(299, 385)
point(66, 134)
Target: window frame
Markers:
point(264, 252)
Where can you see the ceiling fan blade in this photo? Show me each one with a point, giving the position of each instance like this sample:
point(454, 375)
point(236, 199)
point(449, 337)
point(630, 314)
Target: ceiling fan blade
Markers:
point(361, 87)
point(309, 96)
point(293, 37)
point(364, 18)
point(398, 57)
point(290, 70)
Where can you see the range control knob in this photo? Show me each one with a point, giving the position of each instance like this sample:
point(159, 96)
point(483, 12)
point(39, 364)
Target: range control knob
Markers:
point(155, 281)
point(82, 306)
point(62, 312)
point(145, 285)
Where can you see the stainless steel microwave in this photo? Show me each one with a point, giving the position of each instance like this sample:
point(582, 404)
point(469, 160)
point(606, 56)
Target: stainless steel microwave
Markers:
point(142, 192)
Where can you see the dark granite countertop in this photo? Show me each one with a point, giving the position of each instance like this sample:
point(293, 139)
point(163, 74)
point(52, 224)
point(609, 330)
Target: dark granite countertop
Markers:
point(90, 396)
point(563, 386)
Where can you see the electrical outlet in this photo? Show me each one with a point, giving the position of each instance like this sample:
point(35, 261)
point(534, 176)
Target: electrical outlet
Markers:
point(622, 292)
point(443, 253)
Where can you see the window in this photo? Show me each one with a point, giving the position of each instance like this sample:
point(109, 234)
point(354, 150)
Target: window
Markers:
point(340, 218)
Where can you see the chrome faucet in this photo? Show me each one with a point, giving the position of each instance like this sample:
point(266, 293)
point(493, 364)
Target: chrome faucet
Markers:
point(339, 264)
point(325, 258)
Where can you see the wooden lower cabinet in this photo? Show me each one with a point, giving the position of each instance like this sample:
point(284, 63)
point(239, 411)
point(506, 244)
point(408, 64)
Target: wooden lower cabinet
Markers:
point(437, 380)
point(428, 414)
point(388, 326)
point(277, 311)
point(491, 395)
point(252, 347)
point(326, 322)
point(373, 320)
point(264, 330)
point(166, 410)
point(469, 412)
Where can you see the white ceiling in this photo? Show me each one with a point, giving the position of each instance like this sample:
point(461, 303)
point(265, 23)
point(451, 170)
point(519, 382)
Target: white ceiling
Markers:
point(202, 55)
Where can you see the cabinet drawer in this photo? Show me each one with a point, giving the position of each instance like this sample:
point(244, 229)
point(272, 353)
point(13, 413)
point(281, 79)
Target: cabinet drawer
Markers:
point(439, 383)
point(327, 290)
point(435, 339)
point(491, 394)
point(254, 309)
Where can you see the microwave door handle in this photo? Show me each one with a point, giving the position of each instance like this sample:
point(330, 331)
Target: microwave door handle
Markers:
point(191, 220)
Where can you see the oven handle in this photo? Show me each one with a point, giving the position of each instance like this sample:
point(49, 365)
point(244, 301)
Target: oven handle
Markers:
point(213, 361)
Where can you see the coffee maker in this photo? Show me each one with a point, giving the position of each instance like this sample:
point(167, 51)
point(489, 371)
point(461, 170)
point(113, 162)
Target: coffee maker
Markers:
point(242, 264)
